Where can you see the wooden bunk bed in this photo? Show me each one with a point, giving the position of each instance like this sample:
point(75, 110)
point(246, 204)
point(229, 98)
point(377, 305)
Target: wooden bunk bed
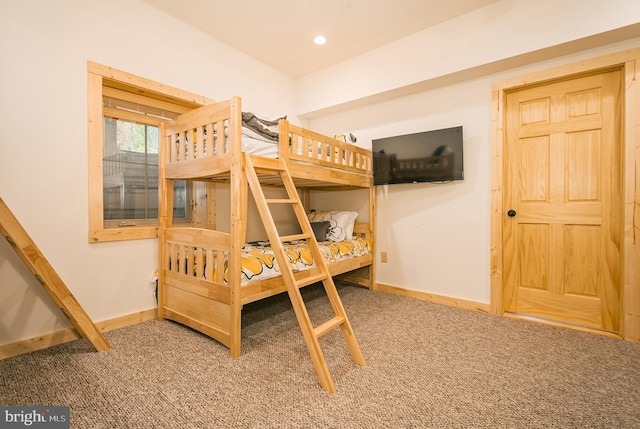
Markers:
point(200, 265)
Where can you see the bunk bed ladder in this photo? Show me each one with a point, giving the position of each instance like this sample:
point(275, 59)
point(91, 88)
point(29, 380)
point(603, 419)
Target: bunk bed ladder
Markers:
point(33, 258)
point(276, 167)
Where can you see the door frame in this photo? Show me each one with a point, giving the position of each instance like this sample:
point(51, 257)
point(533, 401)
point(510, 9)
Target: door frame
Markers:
point(629, 62)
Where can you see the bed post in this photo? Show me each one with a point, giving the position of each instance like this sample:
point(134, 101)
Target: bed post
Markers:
point(372, 236)
point(283, 140)
point(306, 199)
point(238, 204)
point(165, 206)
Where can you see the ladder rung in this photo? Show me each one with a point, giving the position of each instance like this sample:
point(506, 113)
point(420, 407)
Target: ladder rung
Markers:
point(294, 237)
point(280, 201)
point(310, 280)
point(320, 330)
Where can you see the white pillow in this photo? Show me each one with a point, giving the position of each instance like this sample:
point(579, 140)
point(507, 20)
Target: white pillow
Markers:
point(340, 223)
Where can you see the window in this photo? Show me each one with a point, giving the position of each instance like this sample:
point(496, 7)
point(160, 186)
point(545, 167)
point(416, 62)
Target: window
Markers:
point(125, 113)
point(130, 175)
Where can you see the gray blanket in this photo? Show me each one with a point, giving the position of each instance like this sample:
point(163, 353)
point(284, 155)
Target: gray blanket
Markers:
point(261, 126)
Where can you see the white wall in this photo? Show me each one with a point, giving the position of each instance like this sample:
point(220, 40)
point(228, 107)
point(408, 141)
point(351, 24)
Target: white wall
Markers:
point(433, 79)
point(44, 47)
point(438, 236)
point(429, 231)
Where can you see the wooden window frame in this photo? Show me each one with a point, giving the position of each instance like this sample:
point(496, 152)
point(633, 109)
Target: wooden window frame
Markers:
point(99, 77)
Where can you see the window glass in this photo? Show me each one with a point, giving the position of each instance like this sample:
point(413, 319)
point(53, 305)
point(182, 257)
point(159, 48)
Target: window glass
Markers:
point(130, 174)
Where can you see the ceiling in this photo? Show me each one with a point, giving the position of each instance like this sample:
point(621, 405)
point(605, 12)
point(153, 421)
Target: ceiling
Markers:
point(281, 32)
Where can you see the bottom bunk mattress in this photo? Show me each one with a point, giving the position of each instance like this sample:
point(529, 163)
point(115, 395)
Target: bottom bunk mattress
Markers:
point(259, 262)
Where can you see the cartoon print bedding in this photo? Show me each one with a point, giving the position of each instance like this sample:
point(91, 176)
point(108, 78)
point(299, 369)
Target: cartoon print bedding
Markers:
point(259, 263)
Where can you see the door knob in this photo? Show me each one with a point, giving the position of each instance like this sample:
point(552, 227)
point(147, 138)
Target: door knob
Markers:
point(511, 213)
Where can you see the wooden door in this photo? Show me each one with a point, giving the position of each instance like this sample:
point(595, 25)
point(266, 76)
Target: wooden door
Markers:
point(563, 220)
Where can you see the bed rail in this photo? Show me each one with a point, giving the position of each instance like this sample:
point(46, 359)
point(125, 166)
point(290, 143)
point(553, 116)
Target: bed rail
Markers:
point(207, 148)
point(300, 144)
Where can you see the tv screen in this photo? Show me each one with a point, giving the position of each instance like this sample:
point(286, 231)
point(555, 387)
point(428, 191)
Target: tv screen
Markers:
point(429, 156)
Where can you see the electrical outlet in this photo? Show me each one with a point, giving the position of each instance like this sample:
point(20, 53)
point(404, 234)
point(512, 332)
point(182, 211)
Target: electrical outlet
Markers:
point(383, 257)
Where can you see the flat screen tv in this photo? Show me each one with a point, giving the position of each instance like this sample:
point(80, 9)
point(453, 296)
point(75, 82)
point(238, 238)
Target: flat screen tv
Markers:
point(429, 156)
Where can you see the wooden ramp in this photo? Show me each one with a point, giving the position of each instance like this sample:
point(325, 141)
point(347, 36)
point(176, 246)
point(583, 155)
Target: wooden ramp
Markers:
point(27, 250)
point(255, 169)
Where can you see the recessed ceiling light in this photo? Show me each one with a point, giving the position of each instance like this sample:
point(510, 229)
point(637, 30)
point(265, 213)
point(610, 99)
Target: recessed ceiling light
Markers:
point(319, 40)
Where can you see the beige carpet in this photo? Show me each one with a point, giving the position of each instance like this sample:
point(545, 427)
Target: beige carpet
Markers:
point(428, 366)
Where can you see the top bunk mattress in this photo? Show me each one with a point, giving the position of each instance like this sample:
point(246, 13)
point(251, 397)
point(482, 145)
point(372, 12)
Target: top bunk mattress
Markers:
point(259, 147)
